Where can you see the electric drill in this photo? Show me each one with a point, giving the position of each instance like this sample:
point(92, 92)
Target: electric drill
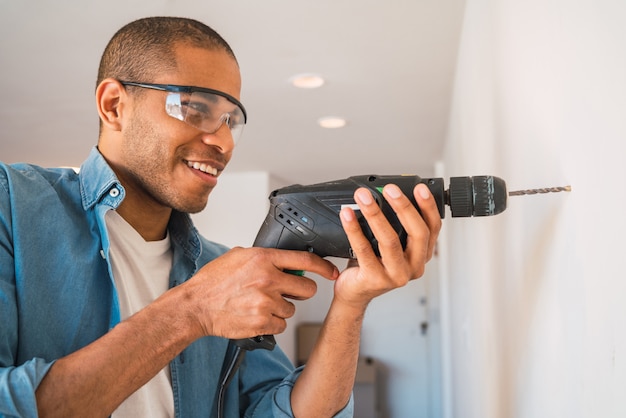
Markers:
point(307, 217)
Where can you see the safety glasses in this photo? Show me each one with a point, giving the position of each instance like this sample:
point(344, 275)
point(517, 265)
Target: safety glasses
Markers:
point(202, 108)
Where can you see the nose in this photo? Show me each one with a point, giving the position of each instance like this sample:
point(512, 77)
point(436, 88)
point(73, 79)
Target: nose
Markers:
point(221, 139)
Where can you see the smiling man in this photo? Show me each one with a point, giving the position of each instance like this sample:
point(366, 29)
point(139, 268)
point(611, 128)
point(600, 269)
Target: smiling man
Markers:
point(113, 304)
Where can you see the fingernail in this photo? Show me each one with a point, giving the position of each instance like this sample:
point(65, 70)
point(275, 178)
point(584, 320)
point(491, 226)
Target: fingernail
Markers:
point(365, 197)
point(393, 191)
point(424, 191)
point(347, 215)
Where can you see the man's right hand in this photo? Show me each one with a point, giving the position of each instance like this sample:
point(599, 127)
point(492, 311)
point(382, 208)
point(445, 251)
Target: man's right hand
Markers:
point(245, 292)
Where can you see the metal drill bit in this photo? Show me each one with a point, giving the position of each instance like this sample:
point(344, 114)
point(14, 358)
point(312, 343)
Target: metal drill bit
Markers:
point(545, 190)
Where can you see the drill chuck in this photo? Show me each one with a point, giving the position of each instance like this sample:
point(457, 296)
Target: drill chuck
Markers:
point(476, 196)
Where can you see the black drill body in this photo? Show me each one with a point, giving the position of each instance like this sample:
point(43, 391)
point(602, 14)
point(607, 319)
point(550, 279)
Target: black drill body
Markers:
point(307, 217)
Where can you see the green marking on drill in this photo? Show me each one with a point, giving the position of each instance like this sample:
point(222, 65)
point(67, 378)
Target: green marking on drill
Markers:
point(380, 189)
point(295, 272)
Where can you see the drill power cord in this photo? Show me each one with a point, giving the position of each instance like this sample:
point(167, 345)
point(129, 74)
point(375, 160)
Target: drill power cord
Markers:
point(228, 372)
point(239, 348)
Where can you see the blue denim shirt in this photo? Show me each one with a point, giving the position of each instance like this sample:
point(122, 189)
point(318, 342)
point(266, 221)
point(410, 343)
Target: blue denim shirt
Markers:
point(57, 294)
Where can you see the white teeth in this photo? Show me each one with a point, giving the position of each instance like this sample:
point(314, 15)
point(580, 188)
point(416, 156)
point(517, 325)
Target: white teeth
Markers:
point(202, 167)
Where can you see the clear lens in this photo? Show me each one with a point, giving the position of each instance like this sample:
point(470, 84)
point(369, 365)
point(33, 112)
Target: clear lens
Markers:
point(206, 111)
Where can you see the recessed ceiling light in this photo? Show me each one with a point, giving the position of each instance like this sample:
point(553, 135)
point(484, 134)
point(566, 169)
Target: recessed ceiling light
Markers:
point(307, 81)
point(332, 122)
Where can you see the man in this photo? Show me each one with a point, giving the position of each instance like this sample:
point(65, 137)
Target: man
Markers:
point(113, 304)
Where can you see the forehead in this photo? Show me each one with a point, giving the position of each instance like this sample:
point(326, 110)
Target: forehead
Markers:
point(215, 69)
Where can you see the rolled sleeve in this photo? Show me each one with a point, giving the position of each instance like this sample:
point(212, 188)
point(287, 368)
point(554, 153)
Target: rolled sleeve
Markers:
point(18, 385)
point(282, 399)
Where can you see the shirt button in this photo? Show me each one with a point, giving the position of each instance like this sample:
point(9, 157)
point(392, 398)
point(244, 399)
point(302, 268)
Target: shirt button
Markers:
point(114, 192)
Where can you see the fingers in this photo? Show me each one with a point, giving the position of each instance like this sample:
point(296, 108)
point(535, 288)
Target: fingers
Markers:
point(430, 215)
point(412, 221)
point(302, 260)
point(389, 245)
point(361, 246)
point(422, 230)
point(267, 283)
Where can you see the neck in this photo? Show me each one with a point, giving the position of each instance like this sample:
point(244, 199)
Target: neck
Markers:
point(149, 222)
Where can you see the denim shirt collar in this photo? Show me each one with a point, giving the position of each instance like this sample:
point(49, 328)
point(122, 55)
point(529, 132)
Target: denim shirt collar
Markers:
point(97, 179)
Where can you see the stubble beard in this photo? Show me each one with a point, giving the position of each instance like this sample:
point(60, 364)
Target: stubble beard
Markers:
point(150, 168)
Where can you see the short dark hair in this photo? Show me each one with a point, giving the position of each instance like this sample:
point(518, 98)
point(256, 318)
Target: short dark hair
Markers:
point(145, 47)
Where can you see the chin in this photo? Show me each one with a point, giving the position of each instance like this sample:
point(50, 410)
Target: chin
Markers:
point(188, 201)
point(192, 207)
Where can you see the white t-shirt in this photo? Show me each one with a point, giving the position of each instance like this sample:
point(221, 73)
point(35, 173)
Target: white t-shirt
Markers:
point(141, 271)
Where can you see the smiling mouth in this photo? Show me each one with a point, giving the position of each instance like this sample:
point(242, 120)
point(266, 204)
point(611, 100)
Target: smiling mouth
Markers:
point(205, 168)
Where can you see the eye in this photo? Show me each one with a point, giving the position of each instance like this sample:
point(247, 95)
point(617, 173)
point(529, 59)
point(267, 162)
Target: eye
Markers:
point(196, 107)
point(196, 112)
point(234, 119)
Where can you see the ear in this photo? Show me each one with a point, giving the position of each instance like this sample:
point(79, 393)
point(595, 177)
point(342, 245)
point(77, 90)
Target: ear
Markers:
point(111, 98)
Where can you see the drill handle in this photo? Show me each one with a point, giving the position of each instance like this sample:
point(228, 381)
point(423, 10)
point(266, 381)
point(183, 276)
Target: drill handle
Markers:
point(266, 342)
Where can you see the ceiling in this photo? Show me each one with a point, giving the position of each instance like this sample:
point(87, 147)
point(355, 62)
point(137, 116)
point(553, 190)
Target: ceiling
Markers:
point(389, 69)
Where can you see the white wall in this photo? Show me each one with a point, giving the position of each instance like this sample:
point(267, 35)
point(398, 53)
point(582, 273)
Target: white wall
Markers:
point(536, 313)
